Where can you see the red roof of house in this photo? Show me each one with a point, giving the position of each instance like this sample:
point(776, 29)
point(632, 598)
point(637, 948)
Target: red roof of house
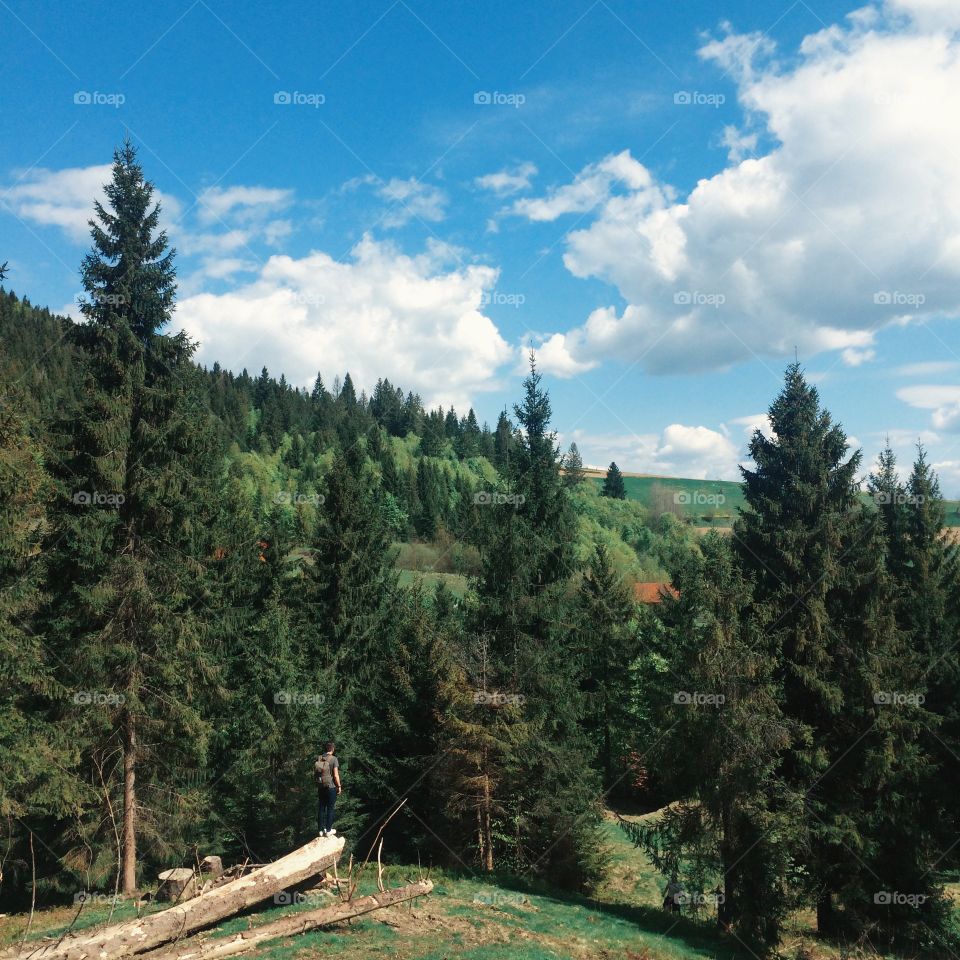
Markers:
point(653, 591)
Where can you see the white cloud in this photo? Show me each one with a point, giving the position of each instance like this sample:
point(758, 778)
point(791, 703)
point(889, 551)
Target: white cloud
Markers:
point(927, 397)
point(929, 14)
point(414, 201)
point(848, 223)
point(65, 198)
point(944, 401)
point(948, 472)
point(753, 422)
point(553, 357)
point(242, 202)
point(415, 320)
point(678, 451)
point(927, 368)
point(590, 188)
point(852, 357)
point(510, 180)
point(698, 452)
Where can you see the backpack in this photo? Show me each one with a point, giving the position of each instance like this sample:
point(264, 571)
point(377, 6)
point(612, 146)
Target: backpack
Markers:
point(322, 771)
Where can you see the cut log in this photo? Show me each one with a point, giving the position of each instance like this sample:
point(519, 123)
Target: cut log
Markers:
point(177, 885)
point(155, 929)
point(289, 926)
point(212, 867)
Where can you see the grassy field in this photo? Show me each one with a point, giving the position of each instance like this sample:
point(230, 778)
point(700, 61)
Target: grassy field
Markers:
point(476, 918)
point(706, 502)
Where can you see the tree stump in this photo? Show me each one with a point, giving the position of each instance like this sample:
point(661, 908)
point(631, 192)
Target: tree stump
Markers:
point(177, 885)
point(212, 867)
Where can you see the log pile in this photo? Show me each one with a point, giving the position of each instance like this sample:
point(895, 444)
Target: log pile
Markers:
point(170, 934)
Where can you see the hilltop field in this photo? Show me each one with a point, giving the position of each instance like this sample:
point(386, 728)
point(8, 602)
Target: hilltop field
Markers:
point(706, 503)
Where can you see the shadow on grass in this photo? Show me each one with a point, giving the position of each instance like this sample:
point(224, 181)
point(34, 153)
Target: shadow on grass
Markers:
point(686, 932)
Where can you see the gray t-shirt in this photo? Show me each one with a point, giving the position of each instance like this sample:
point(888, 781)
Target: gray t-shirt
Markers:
point(323, 770)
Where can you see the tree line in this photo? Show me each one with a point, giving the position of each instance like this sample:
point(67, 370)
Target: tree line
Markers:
point(176, 650)
point(178, 654)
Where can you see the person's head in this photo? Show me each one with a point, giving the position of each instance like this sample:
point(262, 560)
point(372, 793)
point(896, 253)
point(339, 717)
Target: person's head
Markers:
point(330, 747)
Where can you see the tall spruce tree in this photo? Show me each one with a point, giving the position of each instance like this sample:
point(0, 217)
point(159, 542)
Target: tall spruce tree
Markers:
point(822, 588)
point(607, 646)
point(523, 626)
point(135, 479)
point(349, 607)
point(720, 738)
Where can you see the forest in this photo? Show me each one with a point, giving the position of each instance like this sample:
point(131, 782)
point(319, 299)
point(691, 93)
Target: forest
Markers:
point(207, 574)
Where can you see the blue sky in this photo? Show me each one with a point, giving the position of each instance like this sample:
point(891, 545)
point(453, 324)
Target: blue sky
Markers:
point(665, 200)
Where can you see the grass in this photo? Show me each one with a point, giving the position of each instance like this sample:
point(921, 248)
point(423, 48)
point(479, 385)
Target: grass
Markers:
point(499, 918)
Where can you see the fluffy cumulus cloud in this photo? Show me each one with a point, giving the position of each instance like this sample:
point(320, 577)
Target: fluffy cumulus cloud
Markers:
point(677, 451)
point(64, 198)
point(416, 320)
point(848, 220)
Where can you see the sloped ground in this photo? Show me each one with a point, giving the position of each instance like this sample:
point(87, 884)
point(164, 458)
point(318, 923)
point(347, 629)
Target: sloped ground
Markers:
point(469, 918)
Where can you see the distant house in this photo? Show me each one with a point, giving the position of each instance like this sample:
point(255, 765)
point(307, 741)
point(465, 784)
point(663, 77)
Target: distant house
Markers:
point(653, 591)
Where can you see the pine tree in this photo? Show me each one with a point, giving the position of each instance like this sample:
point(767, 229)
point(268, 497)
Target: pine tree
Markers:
point(525, 642)
point(613, 485)
point(608, 645)
point(502, 443)
point(822, 586)
point(38, 779)
point(135, 484)
point(718, 746)
point(350, 601)
point(791, 539)
point(573, 474)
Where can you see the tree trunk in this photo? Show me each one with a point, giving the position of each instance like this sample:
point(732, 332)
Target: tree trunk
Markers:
point(290, 925)
point(150, 931)
point(128, 882)
point(487, 834)
point(825, 913)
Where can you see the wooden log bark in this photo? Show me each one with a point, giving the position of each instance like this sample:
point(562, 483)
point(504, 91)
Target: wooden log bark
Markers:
point(181, 920)
point(289, 926)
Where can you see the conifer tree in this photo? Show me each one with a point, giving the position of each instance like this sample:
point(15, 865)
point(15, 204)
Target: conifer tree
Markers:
point(37, 755)
point(613, 485)
point(523, 626)
point(135, 479)
point(502, 442)
point(821, 584)
point(608, 644)
point(350, 618)
point(573, 474)
point(801, 499)
point(719, 747)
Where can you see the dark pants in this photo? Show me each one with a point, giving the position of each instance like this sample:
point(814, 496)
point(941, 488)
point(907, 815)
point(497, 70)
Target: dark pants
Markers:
point(326, 804)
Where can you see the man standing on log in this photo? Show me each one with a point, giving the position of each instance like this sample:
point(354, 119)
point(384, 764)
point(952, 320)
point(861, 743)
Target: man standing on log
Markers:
point(326, 772)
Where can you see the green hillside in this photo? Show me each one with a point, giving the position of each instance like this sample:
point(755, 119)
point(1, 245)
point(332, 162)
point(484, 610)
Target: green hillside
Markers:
point(707, 503)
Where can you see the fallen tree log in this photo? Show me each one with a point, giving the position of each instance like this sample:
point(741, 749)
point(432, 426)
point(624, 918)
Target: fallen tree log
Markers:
point(290, 925)
point(181, 920)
